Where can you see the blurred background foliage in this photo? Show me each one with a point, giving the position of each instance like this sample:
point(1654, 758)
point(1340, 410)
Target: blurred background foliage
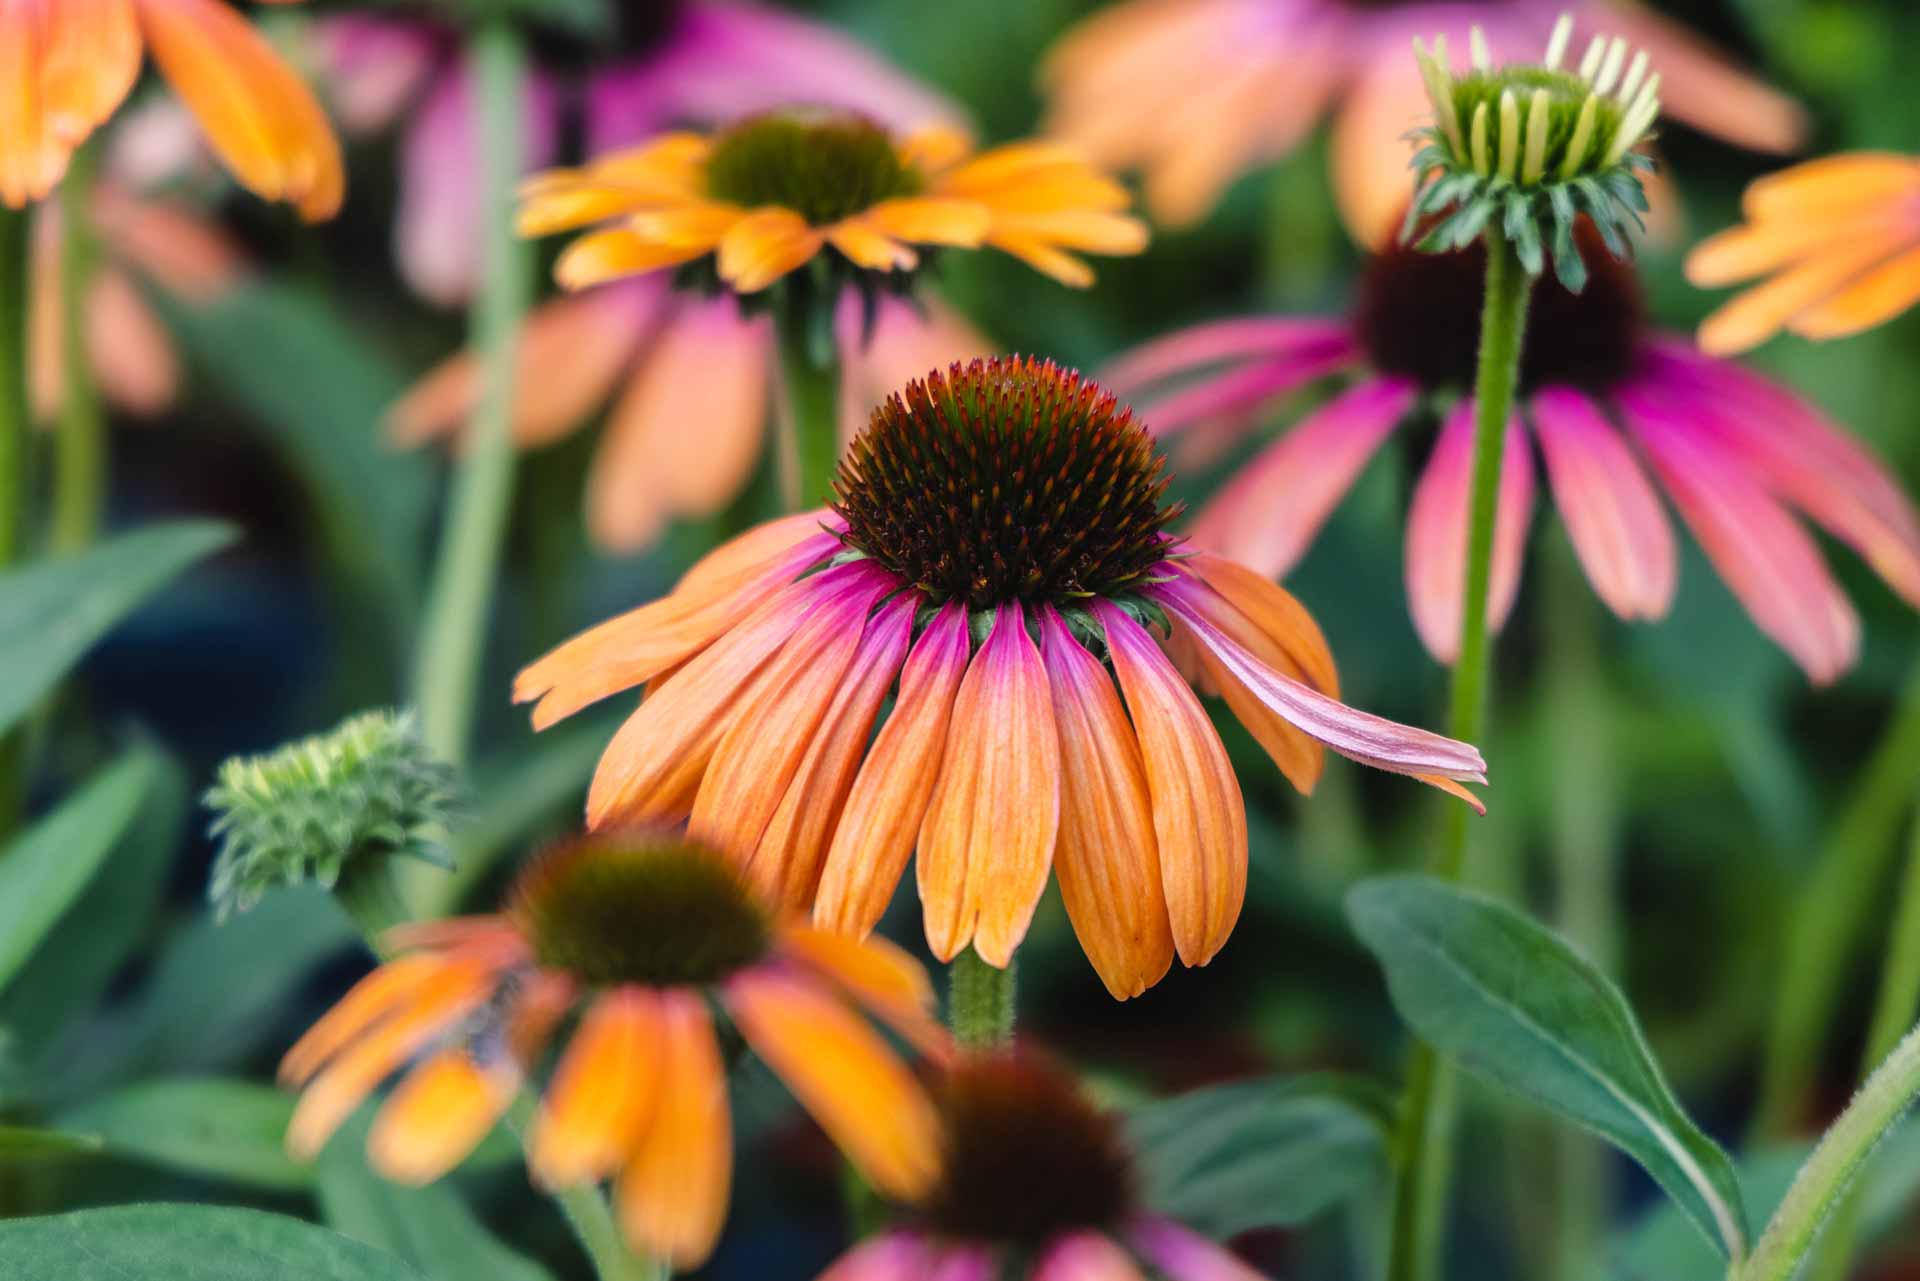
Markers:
point(1660, 792)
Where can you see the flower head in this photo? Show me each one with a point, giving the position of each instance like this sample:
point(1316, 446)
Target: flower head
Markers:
point(637, 929)
point(1612, 407)
point(1839, 241)
point(771, 193)
point(1530, 148)
point(71, 63)
point(1035, 1182)
point(998, 549)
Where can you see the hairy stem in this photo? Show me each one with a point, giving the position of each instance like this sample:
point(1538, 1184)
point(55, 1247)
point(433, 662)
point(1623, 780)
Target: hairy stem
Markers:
point(979, 1001)
point(1425, 1142)
point(80, 458)
point(810, 382)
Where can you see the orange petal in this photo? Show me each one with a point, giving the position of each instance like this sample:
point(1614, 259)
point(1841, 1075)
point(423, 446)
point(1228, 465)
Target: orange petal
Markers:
point(31, 160)
point(697, 225)
point(620, 251)
point(1107, 860)
point(865, 245)
point(881, 821)
point(91, 59)
point(1852, 182)
point(1045, 259)
point(673, 1193)
point(172, 245)
point(1873, 299)
point(1368, 154)
point(987, 840)
point(1759, 313)
point(605, 1089)
point(933, 220)
point(386, 989)
point(843, 1073)
point(1199, 819)
point(877, 974)
point(439, 1115)
point(1277, 615)
point(764, 246)
point(935, 148)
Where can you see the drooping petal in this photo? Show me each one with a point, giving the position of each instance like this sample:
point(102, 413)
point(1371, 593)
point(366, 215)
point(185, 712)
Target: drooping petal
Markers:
point(666, 171)
point(1195, 349)
point(1268, 516)
point(1236, 398)
point(987, 840)
point(438, 1115)
point(131, 351)
point(865, 244)
point(672, 1196)
point(882, 818)
point(1108, 858)
point(1085, 1255)
point(604, 1092)
point(175, 246)
point(1275, 615)
point(1759, 313)
point(31, 160)
point(877, 974)
point(1611, 511)
point(895, 1256)
point(1437, 533)
point(1199, 818)
point(763, 246)
point(854, 1086)
point(1370, 152)
point(1700, 87)
point(1877, 297)
point(90, 62)
point(1831, 187)
point(388, 988)
point(1185, 1255)
point(615, 254)
point(933, 220)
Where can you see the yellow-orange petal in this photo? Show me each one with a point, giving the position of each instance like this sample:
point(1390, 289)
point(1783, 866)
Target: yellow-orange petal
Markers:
point(1002, 166)
point(1045, 259)
point(91, 59)
point(934, 148)
point(763, 246)
point(933, 220)
point(1199, 818)
point(1759, 313)
point(1107, 859)
point(604, 1091)
point(1740, 253)
point(697, 224)
point(438, 1116)
point(31, 160)
point(986, 843)
point(1873, 299)
point(865, 245)
point(882, 817)
point(1087, 230)
point(673, 1193)
point(1278, 615)
point(615, 253)
point(1852, 182)
point(843, 1073)
point(877, 974)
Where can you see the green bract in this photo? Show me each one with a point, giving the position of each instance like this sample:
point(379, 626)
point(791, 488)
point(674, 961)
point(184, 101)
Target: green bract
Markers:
point(1528, 149)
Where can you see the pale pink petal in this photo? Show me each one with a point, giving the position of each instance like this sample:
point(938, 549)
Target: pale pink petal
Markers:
point(1611, 511)
point(1085, 1256)
point(1185, 1255)
point(1437, 533)
point(1270, 513)
point(375, 66)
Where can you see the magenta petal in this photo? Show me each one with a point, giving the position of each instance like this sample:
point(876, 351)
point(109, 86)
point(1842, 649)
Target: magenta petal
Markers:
point(1361, 736)
point(1764, 555)
point(1612, 513)
point(1185, 1255)
point(1270, 513)
point(897, 1256)
point(1437, 533)
point(1085, 1256)
point(1236, 398)
point(1190, 351)
point(374, 66)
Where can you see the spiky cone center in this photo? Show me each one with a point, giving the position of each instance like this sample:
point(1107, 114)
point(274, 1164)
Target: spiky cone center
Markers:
point(1527, 149)
point(822, 164)
point(642, 907)
point(1027, 1156)
point(1008, 479)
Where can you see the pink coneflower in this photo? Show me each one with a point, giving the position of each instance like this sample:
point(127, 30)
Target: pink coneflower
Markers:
point(681, 360)
point(1196, 92)
point(1036, 1184)
point(998, 551)
point(697, 62)
point(1603, 398)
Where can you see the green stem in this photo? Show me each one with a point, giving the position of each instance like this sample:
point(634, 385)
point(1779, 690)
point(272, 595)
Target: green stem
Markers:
point(1830, 914)
point(80, 457)
point(1426, 1147)
point(591, 1218)
point(1828, 1172)
point(1892, 1012)
point(453, 635)
point(810, 379)
point(15, 410)
point(979, 1001)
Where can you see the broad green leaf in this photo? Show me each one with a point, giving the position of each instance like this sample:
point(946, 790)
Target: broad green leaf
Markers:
point(46, 867)
point(1510, 1001)
point(52, 613)
point(164, 1242)
point(430, 1227)
point(210, 1126)
point(1258, 1154)
point(30, 1143)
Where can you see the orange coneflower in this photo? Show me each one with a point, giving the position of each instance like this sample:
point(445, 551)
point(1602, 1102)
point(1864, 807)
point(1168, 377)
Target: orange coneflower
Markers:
point(641, 929)
point(1037, 1183)
point(769, 194)
point(68, 64)
point(1839, 238)
point(999, 546)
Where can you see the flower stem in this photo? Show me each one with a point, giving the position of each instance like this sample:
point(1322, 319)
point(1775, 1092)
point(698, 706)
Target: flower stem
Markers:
point(810, 379)
point(1829, 914)
point(1828, 1172)
point(15, 268)
point(591, 1218)
point(1893, 1009)
point(979, 1001)
point(80, 458)
point(455, 628)
point(1426, 1134)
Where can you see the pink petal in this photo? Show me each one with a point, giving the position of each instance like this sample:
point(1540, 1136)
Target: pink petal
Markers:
point(1085, 1256)
point(1270, 513)
point(1189, 351)
point(897, 1256)
point(1238, 396)
point(374, 66)
point(1764, 555)
point(1185, 1255)
point(1610, 508)
point(1437, 533)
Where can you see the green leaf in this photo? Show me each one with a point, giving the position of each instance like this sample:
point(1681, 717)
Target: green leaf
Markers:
point(1259, 1154)
point(1510, 1001)
point(166, 1242)
point(26, 1143)
point(225, 1129)
point(46, 867)
point(52, 613)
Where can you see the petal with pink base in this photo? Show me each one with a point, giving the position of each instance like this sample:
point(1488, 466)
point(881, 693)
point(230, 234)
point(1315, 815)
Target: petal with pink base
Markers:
point(1085, 1256)
point(897, 1256)
point(1185, 1255)
point(1239, 396)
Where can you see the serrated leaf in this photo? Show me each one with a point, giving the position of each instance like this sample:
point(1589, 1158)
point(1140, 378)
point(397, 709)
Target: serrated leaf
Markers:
point(1256, 1154)
point(166, 1242)
point(52, 613)
point(222, 1128)
point(1511, 1002)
